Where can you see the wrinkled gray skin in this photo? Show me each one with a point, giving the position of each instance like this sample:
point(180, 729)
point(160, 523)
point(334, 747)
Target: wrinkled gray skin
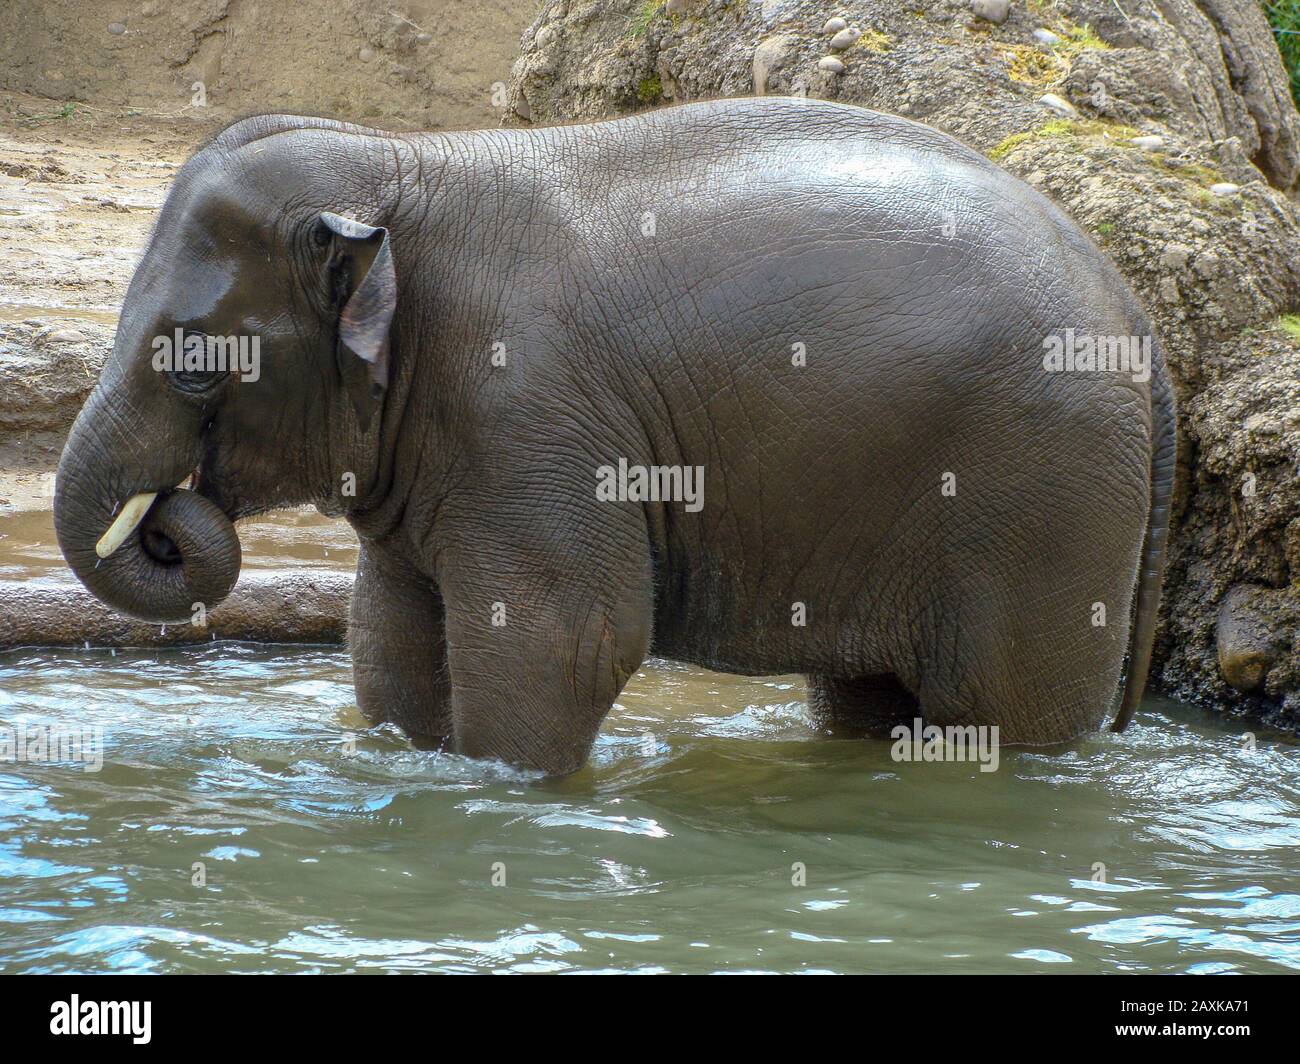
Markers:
point(921, 281)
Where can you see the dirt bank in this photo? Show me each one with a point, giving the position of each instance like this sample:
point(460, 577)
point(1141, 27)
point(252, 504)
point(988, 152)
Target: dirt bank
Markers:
point(413, 64)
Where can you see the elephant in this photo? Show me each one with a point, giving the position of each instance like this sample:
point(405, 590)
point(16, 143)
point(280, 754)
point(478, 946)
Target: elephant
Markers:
point(764, 385)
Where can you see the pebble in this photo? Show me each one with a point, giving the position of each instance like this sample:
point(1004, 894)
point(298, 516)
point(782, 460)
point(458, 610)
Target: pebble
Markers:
point(1058, 104)
point(366, 54)
point(65, 336)
point(834, 25)
point(845, 38)
point(996, 11)
point(1148, 143)
point(1225, 188)
point(116, 29)
point(768, 56)
point(1047, 37)
point(830, 64)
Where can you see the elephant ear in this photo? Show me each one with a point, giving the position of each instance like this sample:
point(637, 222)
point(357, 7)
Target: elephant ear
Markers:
point(362, 265)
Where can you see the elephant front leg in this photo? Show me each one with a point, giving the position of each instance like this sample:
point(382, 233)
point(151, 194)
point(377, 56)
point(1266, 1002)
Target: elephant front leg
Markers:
point(397, 635)
point(543, 638)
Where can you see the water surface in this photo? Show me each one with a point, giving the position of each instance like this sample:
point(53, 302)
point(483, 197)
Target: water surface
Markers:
point(325, 846)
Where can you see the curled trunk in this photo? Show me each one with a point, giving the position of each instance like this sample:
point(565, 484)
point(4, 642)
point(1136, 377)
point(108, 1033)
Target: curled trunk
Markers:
point(184, 552)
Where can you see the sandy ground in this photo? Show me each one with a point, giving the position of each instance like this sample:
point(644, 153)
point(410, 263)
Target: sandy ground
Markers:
point(78, 196)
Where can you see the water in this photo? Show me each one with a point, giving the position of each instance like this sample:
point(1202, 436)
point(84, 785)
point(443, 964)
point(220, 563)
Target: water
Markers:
point(330, 847)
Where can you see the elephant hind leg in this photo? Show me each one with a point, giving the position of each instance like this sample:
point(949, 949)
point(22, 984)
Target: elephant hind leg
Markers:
point(865, 706)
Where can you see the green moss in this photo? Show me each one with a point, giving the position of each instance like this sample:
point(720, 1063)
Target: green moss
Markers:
point(1106, 228)
point(644, 16)
point(1204, 176)
point(1029, 64)
point(1076, 39)
point(1078, 129)
point(873, 41)
point(1290, 324)
point(649, 89)
point(1001, 151)
point(1032, 66)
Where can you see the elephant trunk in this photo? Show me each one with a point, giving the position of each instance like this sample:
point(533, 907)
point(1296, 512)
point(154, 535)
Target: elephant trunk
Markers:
point(139, 546)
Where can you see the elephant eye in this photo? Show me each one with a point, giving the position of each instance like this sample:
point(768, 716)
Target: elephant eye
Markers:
point(195, 368)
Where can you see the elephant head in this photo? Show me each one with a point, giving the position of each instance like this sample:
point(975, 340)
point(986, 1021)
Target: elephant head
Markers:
point(250, 361)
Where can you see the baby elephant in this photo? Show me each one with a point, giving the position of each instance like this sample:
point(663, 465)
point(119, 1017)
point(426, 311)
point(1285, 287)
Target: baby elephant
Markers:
point(763, 385)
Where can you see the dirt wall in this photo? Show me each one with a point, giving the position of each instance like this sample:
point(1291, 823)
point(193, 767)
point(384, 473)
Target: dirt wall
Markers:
point(417, 63)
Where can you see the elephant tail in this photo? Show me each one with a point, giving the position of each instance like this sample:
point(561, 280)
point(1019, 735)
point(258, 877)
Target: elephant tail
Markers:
point(1151, 566)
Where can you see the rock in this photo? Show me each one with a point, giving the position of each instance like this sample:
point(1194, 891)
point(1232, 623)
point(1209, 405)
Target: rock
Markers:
point(995, 11)
point(291, 607)
point(830, 64)
point(770, 56)
point(1175, 256)
point(1225, 188)
point(46, 372)
point(845, 38)
point(116, 29)
point(1148, 143)
point(1059, 104)
point(834, 25)
point(366, 54)
point(1046, 37)
point(1248, 641)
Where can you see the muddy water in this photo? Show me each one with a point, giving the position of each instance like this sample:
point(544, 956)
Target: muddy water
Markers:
point(244, 819)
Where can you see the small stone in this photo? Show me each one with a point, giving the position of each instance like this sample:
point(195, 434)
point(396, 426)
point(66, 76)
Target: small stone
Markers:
point(1058, 104)
point(65, 336)
point(845, 38)
point(1225, 188)
point(1175, 256)
point(830, 64)
point(366, 54)
point(116, 29)
point(1046, 37)
point(996, 11)
point(834, 25)
point(1151, 143)
point(544, 36)
point(769, 56)
point(677, 7)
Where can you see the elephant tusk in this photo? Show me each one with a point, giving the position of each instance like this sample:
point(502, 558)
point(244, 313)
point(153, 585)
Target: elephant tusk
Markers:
point(132, 514)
